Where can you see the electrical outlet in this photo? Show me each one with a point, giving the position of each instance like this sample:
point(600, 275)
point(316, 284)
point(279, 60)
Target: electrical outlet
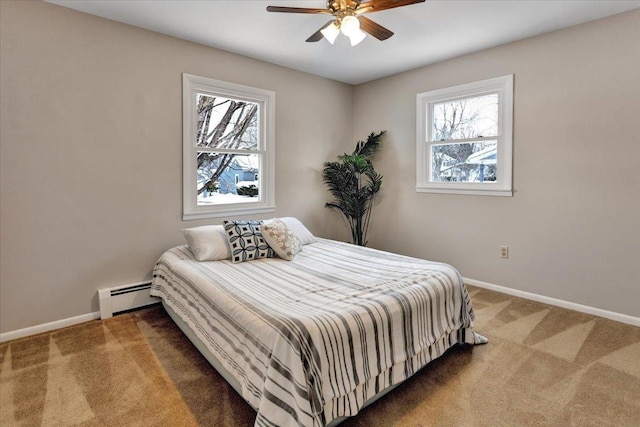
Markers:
point(504, 251)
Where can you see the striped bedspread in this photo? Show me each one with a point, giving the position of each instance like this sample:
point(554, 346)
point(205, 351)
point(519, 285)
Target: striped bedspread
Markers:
point(312, 339)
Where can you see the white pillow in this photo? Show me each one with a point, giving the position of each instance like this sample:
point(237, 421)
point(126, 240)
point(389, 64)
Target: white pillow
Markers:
point(282, 240)
point(294, 224)
point(208, 243)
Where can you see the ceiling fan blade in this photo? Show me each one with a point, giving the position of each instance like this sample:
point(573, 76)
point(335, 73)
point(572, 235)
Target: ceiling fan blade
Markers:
point(375, 29)
point(317, 36)
point(378, 5)
point(296, 10)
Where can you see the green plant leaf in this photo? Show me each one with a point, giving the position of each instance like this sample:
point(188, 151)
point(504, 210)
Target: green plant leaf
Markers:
point(353, 182)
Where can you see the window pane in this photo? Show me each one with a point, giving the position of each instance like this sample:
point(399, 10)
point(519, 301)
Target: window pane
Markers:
point(228, 178)
point(469, 162)
point(226, 123)
point(465, 118)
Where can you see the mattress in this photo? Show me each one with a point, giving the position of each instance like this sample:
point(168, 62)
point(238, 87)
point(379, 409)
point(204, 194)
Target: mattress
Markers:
point(311, 340)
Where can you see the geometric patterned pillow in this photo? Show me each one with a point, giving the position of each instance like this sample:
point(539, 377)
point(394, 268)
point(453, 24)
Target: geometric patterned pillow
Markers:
point(283, 241)
point(246, 241)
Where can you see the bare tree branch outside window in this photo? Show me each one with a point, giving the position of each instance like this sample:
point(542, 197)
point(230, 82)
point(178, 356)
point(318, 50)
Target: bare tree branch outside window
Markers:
point(460, 129)
point(230, 125)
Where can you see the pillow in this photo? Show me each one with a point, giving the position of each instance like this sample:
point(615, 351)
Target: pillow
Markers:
point(246, 241)
point(208, 243)
point(282, 240)
point(294, 224)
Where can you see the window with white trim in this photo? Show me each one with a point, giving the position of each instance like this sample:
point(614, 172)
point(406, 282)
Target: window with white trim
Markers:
point(465, 137)
point(228, 149)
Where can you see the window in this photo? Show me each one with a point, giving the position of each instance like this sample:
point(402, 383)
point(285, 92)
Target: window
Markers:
point(228, 148)
point(464, 138)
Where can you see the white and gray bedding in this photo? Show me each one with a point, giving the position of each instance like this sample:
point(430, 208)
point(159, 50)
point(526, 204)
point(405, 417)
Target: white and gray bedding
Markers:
point(312, 339)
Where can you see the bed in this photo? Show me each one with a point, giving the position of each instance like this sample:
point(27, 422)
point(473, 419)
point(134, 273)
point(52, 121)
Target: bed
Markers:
point(311, 341)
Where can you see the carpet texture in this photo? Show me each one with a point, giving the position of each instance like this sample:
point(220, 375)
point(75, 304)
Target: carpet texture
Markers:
point(543, 366)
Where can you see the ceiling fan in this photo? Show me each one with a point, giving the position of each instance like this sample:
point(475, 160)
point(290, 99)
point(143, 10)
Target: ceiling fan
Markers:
point(348, 18)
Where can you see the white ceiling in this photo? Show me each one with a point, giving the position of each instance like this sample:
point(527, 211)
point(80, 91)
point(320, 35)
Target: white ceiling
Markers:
point(425, 33)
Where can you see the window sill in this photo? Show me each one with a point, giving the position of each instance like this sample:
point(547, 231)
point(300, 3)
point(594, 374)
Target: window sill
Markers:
point(465, 191)
point(228, 212)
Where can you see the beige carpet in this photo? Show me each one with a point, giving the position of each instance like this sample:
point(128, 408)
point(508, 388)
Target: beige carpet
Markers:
point(543, 366)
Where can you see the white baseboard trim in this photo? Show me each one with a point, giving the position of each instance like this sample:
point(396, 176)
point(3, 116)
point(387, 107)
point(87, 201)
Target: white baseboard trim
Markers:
point(46, 327)
point(624, 318)
point(619, 317)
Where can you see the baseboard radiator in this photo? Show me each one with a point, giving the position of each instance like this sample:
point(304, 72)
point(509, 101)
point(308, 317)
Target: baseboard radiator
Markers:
point(124, 298)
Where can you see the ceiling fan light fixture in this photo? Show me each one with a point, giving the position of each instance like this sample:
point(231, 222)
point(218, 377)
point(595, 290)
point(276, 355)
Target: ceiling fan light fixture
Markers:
point(350, 26)
point(331, 32)
point(348, 17)
point(357, 37)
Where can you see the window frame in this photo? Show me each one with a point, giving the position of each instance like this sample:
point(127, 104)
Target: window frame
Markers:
point(503, 86)
point(191, 86)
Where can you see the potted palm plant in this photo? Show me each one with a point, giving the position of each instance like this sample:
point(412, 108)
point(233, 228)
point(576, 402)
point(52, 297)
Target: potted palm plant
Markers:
point(353, 182)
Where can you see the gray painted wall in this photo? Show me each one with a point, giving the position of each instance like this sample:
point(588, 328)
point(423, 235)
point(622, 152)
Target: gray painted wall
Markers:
point(573, 224)
point(91, 160)
point(91, 152)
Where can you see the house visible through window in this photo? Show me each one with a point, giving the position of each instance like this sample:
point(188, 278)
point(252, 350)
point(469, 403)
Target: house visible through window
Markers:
point(464, 140)
point(228, 144)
